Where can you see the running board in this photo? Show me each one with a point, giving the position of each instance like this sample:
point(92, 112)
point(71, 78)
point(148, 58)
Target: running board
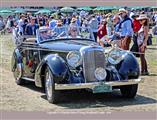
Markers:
point(28, 79)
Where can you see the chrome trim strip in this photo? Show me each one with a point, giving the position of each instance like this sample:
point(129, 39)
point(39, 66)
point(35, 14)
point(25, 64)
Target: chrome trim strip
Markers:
point(28, 79)
point(43, 49)
point(93, 84)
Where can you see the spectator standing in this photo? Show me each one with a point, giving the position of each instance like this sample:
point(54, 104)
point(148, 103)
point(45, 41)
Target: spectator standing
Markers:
point(73, 22)
point(115, 33)
point(154, 31)
point(109, 25)
point(136, 28)
point(132, 12)
point(31, 27)
point(102, 32)
point(2, 25)
point(142, 42)
point(21, 25)
point(115, 37)
point(93, 23)
point(126, 28)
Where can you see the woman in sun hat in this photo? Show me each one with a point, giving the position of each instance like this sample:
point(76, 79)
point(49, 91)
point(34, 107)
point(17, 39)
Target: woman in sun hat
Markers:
point(142, 41)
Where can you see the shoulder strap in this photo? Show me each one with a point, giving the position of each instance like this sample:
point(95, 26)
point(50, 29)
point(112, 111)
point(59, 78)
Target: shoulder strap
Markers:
point(120, 25)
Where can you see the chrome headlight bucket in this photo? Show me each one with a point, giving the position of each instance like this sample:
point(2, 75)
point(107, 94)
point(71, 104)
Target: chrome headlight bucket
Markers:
point(100, 74)
point(74, 59)
point(116, 55)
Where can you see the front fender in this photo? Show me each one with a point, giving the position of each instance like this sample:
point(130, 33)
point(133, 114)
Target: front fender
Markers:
point(57, 66)
point(129, 67)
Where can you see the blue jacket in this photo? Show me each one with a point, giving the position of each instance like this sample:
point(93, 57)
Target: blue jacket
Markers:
point(31, 29)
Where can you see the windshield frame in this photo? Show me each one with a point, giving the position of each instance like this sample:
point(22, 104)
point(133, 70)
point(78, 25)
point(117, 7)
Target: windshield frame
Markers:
point(66, 35)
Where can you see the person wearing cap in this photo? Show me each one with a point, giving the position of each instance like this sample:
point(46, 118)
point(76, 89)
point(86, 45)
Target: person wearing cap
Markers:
point(132, 13)
point(142, 42)
point(126, 28)
point(73, 22)
point(115, 37)
point(31, 27)
point(45, 33)
point(116, 33)
point(73, 32)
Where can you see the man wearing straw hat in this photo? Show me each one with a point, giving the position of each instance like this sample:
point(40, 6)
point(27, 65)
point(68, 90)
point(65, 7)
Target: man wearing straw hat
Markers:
point(126, 28)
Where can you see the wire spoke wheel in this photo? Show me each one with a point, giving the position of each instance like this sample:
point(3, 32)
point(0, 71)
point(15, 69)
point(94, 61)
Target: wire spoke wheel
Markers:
point(48, 84)
point(51, 93)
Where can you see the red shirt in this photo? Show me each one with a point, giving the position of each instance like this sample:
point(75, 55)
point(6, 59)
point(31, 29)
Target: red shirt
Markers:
point(102, 31)
point(136, 25)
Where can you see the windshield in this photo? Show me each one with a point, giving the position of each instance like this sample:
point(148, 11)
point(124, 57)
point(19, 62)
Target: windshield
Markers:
point(63, 32)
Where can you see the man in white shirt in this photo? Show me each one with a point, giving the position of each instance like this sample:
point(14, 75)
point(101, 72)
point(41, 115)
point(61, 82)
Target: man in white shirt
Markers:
point(20, 25)
point(93, 23)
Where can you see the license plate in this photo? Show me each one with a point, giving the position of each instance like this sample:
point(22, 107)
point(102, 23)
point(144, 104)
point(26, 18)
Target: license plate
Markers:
point(102, 89)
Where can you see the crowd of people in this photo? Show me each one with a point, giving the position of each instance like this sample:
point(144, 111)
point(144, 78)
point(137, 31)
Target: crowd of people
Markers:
point(119, 28)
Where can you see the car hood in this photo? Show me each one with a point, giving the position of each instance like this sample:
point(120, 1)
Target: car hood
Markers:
point(67, 45)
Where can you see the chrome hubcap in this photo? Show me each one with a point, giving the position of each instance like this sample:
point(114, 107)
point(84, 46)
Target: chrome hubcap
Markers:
point(49, 84)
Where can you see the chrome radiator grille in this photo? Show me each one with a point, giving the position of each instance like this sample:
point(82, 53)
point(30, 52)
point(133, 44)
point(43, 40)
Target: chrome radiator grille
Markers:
point(92, 59)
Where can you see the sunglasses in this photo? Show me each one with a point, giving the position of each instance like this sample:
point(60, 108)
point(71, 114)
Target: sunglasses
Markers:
point(141, 20)
point(74, 30)
point(44, 32)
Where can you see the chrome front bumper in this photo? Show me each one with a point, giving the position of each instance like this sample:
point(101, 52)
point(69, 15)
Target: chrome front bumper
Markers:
point(95, 84)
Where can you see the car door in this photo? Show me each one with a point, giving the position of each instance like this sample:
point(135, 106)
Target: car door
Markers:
point(30, 55)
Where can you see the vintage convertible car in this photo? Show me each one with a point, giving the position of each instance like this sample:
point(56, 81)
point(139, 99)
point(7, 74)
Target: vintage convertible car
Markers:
point(70, 59)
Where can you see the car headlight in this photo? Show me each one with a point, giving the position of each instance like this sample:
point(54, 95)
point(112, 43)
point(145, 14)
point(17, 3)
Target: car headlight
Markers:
point(74, 59)
point(116, 56)
point(100, 74)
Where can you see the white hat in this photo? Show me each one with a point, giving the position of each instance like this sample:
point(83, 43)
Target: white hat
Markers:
point(122, 10)
point(141, 17)
point(73, 20)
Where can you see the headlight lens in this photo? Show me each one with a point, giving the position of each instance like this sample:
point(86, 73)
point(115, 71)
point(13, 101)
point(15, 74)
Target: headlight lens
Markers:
point(100, 74)
point(116, 56)
point(74, 59)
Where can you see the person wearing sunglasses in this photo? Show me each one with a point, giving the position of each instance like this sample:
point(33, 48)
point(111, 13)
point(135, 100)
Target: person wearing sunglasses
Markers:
point(45, 33)
point(73, 32)
point(142, 42)
point(126, 29)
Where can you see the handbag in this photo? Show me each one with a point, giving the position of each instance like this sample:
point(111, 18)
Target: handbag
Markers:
point(135, 49)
